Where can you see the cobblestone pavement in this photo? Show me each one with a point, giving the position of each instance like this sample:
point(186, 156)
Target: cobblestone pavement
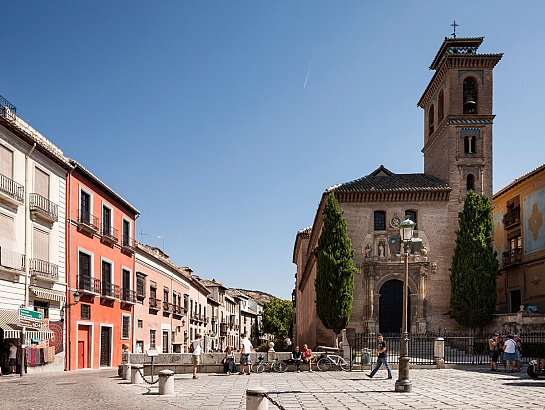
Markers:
point(471, 388)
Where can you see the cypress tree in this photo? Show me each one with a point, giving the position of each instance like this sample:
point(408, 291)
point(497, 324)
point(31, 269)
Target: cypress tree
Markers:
point(474, 265)
point(335, 269)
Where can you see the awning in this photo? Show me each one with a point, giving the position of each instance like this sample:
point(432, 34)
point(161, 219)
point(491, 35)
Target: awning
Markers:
point(49, 294)
point(8, 323)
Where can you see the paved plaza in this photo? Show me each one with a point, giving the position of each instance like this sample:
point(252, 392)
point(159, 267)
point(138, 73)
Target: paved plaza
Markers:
point(468, 388)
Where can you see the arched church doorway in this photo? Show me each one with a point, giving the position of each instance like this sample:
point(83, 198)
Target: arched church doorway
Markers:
point(391, 307)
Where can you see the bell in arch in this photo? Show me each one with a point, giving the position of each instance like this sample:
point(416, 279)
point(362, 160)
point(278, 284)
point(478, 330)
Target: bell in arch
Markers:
point(469, 103)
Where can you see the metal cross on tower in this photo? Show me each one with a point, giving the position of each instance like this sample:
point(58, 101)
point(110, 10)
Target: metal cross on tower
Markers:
point(454, 25)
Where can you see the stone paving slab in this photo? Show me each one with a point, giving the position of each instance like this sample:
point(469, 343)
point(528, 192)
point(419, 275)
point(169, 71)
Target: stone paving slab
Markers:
point(471, 388)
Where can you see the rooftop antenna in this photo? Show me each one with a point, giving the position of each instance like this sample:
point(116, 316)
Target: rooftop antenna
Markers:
point(141, 233)
point(454, 25)
point(163, 238)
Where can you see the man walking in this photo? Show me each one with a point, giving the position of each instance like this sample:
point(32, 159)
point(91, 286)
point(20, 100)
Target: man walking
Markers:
point(196, 353)
point(245, 359)
point(381, 358)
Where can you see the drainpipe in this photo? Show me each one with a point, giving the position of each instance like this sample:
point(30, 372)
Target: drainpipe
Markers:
point(27, 226)
point(135, 286)
point(68, 273)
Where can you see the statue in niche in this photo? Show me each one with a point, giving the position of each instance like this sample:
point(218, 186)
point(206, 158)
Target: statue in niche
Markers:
point(367, 251)
point(424, 251)
point(381, 250)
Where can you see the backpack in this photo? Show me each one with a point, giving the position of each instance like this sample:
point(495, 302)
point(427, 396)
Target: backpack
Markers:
point(191, 348)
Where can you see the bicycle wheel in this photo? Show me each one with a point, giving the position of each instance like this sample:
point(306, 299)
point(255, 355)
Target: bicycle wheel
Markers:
point(261, 368)
point(323, 364)
point(255, 366)
point(280, 367)
point(344, 365)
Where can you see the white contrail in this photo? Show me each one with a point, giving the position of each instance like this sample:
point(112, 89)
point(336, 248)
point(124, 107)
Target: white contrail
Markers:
point(308, 72)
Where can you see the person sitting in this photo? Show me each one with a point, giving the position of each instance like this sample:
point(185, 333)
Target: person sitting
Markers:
point(229, 361)
point(308, 357)
point(297, 358)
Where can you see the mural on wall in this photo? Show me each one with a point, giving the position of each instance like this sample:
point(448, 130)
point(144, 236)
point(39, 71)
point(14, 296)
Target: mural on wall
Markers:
point(534, 230)
point(498, 234)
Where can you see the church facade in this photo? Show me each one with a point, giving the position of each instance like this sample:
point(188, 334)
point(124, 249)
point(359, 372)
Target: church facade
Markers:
point(458, 120)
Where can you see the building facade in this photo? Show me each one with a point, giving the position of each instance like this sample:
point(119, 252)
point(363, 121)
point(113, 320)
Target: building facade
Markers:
point(101, 272)
point(457, 150)
point(519, 240)
point(32, 236)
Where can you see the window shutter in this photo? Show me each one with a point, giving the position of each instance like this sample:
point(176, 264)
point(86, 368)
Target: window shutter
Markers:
point(41, 245)
point(6, 162)
point(41, 183)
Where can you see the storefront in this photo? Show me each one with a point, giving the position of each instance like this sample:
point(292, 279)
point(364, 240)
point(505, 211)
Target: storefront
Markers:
point(40, 343)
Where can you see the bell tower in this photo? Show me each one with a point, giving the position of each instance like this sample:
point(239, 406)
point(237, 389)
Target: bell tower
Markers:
point(458, 117)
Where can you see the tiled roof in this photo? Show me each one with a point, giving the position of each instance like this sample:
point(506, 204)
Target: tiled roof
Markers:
point(519, 180)
point(383, 180)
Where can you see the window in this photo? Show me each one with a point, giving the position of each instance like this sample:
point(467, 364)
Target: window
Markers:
point(42, 307)
point(470, 96)
point(140, 285)
point(470, 182)
point(469, 144)
point(152, 334)
point(40, 242)
point(126, 278)
point(440, 106)
point(411, 215)
point(107, 221)
point(85, 311)
point(165, 295)
point(41, 183)
point(6, 162)
point(152, 290)
point(165, 341)
point(84, 264)
point(126, 233)
point(126, 327)
point(85, 207)
point(9, 251)
point(431, 119)
point(140, 323)
point(106, 272)
point(380, 221)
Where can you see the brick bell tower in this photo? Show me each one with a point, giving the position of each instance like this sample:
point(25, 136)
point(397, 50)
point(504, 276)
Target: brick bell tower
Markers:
point(458, 118)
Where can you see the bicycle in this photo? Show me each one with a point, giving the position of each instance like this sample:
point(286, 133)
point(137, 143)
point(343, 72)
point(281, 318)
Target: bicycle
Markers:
point(332, 360)
point(274, 366)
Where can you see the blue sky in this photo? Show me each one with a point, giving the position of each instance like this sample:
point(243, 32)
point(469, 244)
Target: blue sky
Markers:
point(198, 114)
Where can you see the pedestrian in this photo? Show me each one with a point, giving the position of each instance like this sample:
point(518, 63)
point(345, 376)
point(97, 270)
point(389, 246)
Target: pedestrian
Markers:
point(308, 357)
point(229, 361)
point(509, 348)
point(493, 346)
point(13, 357)
point(500, 346)
point(518, 353)
point(196, 353)
point(381, 357)
point(245, 359)
point(297, 358)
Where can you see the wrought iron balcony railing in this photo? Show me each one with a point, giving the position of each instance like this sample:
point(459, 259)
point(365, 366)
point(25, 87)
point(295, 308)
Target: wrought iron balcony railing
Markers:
point(128, 295)
point(512, 256)
point(167, 307)
point(155, 303)
point(87, 284)
point(6, 106)
point(109, 290)
point(177, 310)
point(44, 270)
point(87, 222)
point(127, 244)
point(12, 260)
point(43, 207)
point(109, 234)
point(511, 218)
point(11, 189)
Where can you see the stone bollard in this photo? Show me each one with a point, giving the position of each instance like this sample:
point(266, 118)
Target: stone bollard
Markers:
point(126, 371)
point(136, 374)
point(166, 382)
point(439, 352)
point(255, 399)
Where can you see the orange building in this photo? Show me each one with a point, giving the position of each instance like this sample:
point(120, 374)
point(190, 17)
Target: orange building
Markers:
point(100, 272)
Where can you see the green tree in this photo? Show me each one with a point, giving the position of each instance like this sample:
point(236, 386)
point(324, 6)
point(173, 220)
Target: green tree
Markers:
point(474, 265)
point(335, 269)
point(277, 318)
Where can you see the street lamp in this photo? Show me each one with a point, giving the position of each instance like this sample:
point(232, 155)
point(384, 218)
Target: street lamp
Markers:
point(403, 384)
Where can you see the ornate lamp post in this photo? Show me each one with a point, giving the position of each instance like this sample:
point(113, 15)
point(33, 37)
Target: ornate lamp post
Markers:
point(403, 384)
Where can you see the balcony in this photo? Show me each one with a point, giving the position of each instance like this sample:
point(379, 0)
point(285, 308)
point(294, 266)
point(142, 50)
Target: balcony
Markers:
point(44, 270)
point(154, 304)
point(110, 291)
point(511, 218)
point(88, 285)
point(512, 257)
point(7, 109)
point(128, 296)
point(11, 262)
point(223, 329)
point(177, 310)
point(127, 245)
point(109, 235)
point(11, 191)
point(87, 222)
point(167, 307)
point(43, 208)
